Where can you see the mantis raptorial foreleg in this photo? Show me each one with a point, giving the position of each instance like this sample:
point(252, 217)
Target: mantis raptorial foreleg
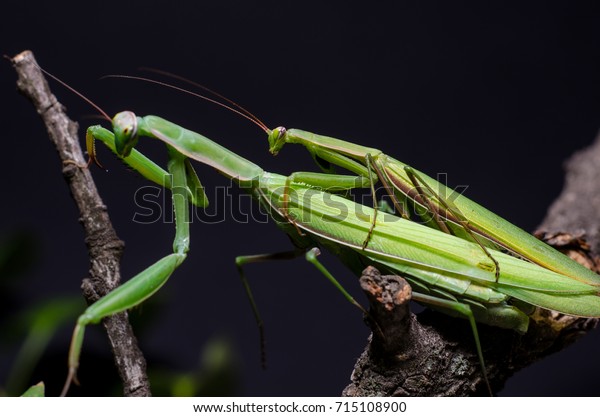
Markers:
point(324, 182)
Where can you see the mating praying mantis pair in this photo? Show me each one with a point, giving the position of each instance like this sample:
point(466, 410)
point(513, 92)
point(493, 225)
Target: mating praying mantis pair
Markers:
point(462, 260)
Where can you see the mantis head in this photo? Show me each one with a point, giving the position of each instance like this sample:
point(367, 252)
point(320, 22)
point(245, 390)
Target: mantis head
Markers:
point(125, 127)
point(277, 138)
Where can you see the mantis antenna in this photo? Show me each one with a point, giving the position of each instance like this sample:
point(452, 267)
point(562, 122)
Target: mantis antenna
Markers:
point(233, 107)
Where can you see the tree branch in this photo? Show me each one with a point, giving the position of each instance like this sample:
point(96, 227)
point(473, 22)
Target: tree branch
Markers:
point(104, 247)
point(436, 355)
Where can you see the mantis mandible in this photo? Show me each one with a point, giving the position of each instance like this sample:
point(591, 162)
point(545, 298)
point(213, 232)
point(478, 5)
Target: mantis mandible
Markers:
point(447, 272)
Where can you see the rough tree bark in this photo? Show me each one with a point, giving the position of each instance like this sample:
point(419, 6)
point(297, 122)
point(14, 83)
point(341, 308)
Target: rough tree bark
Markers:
point(434, 355)
point(104, 247)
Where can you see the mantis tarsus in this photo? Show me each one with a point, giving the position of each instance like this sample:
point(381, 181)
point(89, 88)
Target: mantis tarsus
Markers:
point(447, 272)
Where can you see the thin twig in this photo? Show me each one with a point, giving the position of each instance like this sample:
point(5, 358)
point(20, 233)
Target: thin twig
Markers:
point(104, 246)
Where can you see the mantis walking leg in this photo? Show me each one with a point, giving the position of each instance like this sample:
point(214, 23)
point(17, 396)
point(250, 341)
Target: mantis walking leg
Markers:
point(147, 282)
point(464, 310)
point(240, 261)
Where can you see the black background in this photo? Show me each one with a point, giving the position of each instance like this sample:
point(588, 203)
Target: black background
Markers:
point(496, 96)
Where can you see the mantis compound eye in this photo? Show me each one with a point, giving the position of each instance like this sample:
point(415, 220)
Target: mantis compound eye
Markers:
point(281, 131)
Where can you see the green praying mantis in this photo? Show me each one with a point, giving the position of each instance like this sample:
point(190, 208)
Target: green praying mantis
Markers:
point(457, 269)
point(447, 272)
point(459, 215)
